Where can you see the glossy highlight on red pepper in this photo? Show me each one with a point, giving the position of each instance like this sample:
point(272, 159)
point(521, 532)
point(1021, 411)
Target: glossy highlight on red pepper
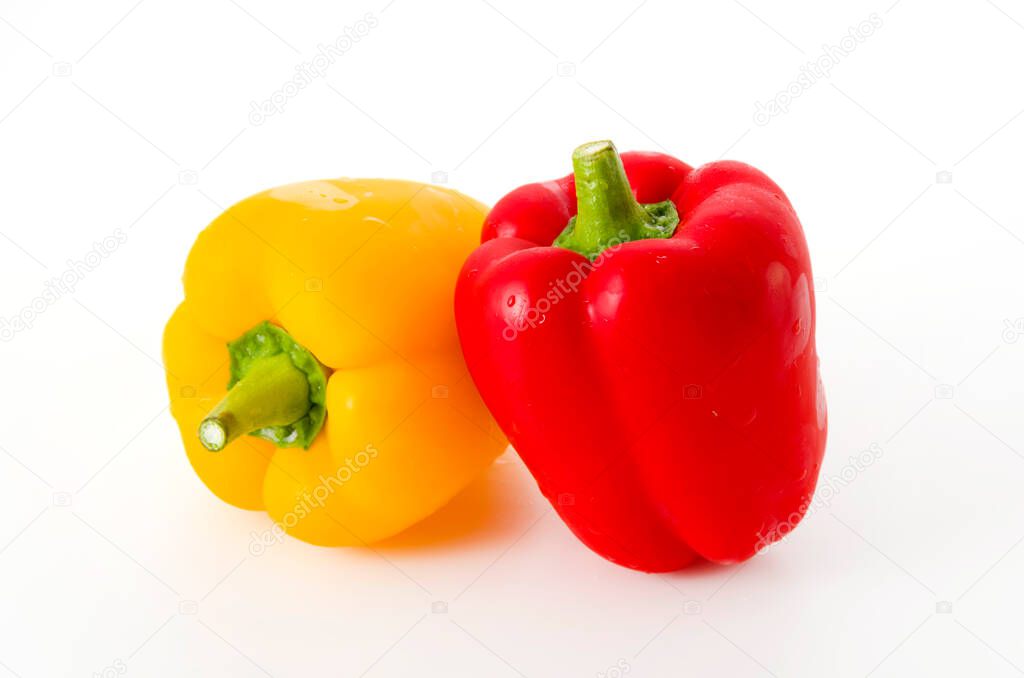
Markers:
point(660, 381)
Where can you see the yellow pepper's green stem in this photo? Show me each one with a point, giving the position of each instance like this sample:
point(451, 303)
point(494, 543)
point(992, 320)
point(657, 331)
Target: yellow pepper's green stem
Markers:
point(607, 212)
point(273, 393)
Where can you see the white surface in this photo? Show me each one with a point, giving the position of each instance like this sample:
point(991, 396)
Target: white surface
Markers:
point(133, 115)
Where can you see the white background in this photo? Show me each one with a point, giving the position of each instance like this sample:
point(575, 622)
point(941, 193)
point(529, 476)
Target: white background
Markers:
point(135, 116)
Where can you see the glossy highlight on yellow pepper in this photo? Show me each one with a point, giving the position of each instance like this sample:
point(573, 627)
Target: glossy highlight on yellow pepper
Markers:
point(360, 274)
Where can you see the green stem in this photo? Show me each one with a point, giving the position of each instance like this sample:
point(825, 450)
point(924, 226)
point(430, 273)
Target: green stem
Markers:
point(273, 393)
point(607, 214)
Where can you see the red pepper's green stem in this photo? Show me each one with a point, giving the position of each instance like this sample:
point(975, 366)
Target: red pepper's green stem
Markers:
point(604, 199)
point(607, 213)
point(273, 393)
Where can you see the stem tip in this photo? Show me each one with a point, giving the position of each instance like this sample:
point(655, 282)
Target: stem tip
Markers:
point(213, 434)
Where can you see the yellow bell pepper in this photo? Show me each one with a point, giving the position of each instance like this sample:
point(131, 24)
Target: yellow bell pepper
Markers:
point(330, 298)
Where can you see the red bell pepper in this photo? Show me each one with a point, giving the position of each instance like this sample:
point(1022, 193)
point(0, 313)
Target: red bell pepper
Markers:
point(643, 332)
